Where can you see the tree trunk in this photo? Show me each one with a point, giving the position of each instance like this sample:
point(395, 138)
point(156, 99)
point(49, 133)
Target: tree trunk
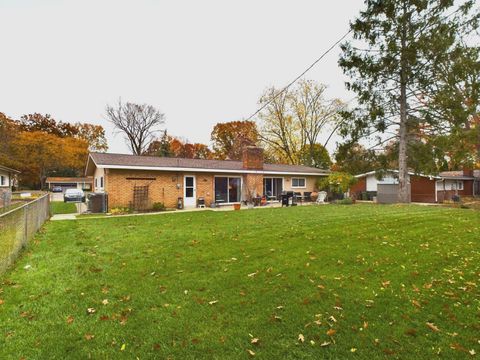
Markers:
point(403, 193)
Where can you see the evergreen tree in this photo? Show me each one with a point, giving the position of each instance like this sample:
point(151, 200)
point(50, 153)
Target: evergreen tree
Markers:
point(404, 69)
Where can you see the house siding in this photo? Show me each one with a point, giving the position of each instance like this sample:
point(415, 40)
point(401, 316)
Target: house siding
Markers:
point(446, 195)
point(422, 189)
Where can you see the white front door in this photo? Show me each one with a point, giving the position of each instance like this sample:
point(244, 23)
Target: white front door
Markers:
point(189, 191)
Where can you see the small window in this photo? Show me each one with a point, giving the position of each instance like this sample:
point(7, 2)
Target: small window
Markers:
point(96, 182)
point(298, 182)
point(2, 180)
point(101, 181)
point(460, 185)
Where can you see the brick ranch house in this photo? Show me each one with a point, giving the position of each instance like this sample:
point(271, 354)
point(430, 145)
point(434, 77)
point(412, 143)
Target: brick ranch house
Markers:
point(423, 188)
point(165, 180)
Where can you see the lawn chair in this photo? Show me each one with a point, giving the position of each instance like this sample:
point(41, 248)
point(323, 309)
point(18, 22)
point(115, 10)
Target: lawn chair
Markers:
point(322, 196)
point(270, 197)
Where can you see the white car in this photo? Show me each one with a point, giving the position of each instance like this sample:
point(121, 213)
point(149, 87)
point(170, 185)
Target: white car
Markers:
point(74, 195)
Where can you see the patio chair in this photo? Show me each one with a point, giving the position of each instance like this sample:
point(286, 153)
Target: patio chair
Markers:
point(307, 195)
point(322, 196)
point(270, 197)
point(299, 196)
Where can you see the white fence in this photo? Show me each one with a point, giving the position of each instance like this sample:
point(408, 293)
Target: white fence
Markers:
point(18, 226)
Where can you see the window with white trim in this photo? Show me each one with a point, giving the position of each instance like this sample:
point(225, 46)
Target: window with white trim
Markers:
point(101, 181)
point(299, 182)
point(459, 185)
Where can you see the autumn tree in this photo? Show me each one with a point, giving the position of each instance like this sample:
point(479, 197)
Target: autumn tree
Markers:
point(138, 122)
point(229, 138)
point(406, 58)
point(160, 146)
point(354, 158)
point(8, 133)
point(294, 120)
point(94, 135)
point(39, 153)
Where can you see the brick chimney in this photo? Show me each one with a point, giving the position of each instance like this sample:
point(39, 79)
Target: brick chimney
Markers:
point(252, 158)
point(468, 172)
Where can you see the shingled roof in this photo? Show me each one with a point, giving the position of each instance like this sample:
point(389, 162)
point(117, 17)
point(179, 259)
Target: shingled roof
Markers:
point(118, 161)
point(458, 174)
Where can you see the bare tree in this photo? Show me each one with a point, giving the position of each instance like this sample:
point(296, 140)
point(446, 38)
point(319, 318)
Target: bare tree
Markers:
point(139, 123)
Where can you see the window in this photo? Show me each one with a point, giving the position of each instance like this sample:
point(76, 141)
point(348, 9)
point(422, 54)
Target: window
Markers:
point(459, 185)
point(96, 182)
point(101, 181)
point(298, 182)
point(272, 186)
point(2, 180)
point(228, 189)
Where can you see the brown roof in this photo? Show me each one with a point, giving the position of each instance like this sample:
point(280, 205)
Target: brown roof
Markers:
point(458, 174)
point(106, 159)
point(69, 179)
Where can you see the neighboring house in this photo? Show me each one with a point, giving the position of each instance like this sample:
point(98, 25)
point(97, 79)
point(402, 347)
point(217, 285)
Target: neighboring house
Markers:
point(463, 183)
point(84, 183)
point(423, 188)
point(7, 178)
point(130, 179)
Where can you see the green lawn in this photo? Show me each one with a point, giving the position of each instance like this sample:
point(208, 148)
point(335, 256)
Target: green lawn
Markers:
point(362, 281)
point(60, 207)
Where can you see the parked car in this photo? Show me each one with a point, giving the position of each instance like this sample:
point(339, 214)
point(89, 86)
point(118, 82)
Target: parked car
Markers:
point(74, 195)
point(57, 189)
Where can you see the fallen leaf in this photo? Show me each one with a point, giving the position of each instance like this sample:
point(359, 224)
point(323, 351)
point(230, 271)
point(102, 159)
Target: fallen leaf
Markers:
point(89, 336)
point(433, 327)
point(105, 301)
point(91, 310)
point(70, 319)
point(250, 352)
point(365, 324)
point(301, 338)
point(123, 347)
point(472, 352)
point(2, 302)
point(353, 350)
point(331, 332)
point(416, 303)
point(325, 343)
point(213, 302)
point(255, 341)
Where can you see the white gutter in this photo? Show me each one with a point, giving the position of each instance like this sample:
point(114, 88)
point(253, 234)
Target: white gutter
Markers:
point(188, 169)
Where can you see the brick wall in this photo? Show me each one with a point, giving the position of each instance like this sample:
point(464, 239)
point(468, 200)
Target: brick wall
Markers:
point(252, 158)
point(253, 184)
point(162, 186)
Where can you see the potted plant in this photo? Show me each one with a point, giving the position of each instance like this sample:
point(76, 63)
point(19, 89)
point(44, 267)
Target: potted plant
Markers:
point(237, 206)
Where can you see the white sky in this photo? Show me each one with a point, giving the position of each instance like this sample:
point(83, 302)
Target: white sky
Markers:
point(199, 62)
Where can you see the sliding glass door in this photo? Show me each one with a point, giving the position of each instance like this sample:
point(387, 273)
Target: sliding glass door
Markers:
point(228, 189)
point(272, 186)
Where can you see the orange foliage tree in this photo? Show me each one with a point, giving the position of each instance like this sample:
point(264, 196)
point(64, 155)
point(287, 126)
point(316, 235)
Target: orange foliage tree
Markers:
point(230, 138)
point(38, 154)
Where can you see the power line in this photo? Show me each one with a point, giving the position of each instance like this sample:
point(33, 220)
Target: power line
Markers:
point(299, 76)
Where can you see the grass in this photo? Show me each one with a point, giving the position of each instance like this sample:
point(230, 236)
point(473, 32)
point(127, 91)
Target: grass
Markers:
point(60, 207)
point(363, 280)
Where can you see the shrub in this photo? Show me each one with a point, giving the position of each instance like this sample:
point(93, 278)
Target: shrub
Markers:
point(345, 201)
point(120, 210)
point(158, 206)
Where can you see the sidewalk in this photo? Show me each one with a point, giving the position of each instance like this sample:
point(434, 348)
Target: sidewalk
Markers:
point(59, 217)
